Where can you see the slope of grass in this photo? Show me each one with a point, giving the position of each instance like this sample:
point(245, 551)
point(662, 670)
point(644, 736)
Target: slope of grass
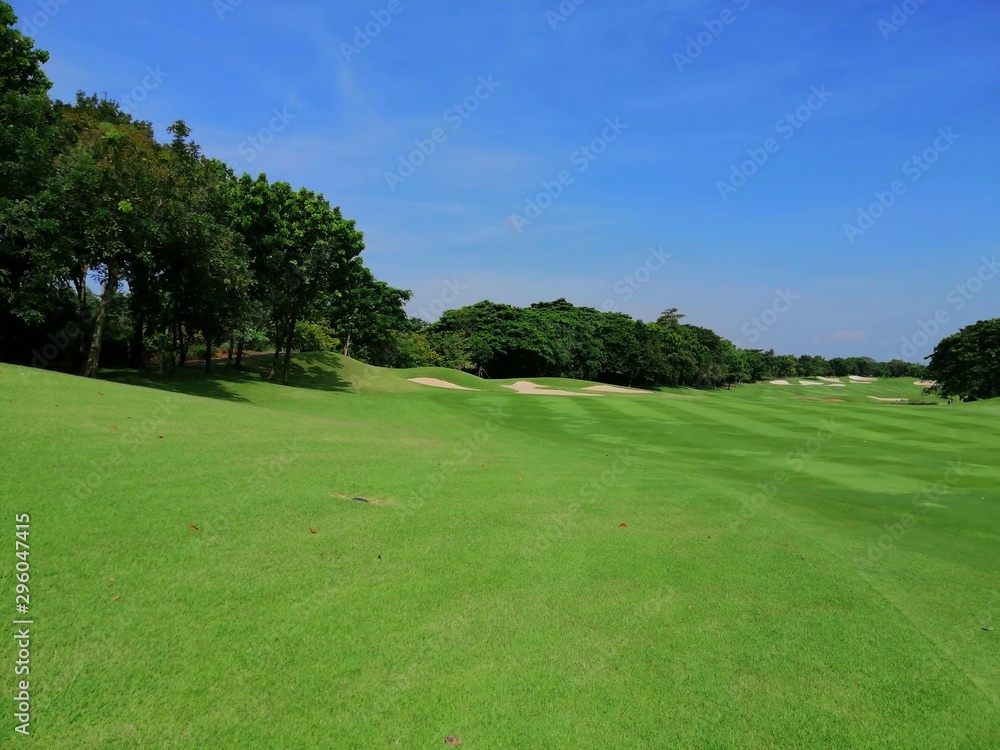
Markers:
point(793, 573)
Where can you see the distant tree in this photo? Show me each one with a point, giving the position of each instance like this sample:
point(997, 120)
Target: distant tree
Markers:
point(967, 364)
point(813, 366)
point(671, 317)
point(367, 315)
point(840, 367)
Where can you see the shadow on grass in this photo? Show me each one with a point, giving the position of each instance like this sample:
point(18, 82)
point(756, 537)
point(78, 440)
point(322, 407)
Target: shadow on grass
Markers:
point(315, 371)
point(311, 371)
point(190, 381)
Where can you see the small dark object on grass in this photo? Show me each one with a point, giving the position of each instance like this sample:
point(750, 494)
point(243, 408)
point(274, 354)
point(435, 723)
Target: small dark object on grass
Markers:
point(194, 528)
point(623, 526)
point(360, 500)
point(988, 630)
point(115, 598)
point(314, 531)
point(380, 557)
point(453, 741)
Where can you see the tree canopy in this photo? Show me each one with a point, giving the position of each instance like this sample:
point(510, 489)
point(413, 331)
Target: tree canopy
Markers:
point(967, 364)
point(119, 249)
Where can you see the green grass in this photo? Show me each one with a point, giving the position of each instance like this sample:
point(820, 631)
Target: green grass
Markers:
point(492, 594)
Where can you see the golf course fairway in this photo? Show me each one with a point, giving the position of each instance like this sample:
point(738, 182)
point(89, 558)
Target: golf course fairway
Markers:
point(764, 567)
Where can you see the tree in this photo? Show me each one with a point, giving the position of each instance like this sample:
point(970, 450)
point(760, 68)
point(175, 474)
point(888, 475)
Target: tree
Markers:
point(26, 113)
point(368, 313)
point(967, 364)
point(104, 204)
point(30, 294)
point(301, 251)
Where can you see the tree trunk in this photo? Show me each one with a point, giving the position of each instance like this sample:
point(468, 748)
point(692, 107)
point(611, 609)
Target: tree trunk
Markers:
point(208, 356)
point(288, 352)
point(174, 344)
point(81, 301)
point(136, 350)
point(94, 353)
point(277, 356)
point(229, 357)
point(347, 346)
point(239, 356)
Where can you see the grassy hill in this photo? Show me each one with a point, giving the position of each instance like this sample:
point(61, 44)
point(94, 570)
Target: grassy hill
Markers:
point(792, 571)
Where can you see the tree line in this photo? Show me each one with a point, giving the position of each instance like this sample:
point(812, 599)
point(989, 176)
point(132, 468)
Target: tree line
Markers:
point(117, 249)
point(558, 339)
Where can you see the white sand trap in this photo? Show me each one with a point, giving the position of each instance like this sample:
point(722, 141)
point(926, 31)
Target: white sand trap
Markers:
point(830, 380)
point(435, 383)
point(780, 382)
point(809, 382)
point(614, 389)
point(859, 379)
point(889, 400)
point(534, 389)
point(835, 385)
point(925, 383)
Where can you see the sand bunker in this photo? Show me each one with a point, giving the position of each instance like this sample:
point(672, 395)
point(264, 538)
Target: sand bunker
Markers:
point(780, 382)
point(859, 379)
point(810, 382)
point(889, 400)
point(830, 380)
point(435, 383)
point(614, 389)
point(925, 383)
point(534, 389)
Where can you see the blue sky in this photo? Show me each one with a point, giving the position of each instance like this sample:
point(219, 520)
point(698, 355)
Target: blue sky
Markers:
point(746, 138)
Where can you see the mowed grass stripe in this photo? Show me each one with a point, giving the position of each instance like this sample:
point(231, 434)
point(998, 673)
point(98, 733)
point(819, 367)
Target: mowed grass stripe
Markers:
point(508, 606)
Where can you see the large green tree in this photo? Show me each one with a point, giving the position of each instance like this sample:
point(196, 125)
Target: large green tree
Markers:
point(29, 289)
point(104, 205)
point(967, 364)
point(301, 250)
point(367, 314)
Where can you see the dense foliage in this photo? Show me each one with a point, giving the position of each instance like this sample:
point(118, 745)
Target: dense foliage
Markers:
point(557, 339)
point(117, 249)
point(967, 364)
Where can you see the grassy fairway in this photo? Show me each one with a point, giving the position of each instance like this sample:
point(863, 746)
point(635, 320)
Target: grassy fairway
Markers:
point(794, 573)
